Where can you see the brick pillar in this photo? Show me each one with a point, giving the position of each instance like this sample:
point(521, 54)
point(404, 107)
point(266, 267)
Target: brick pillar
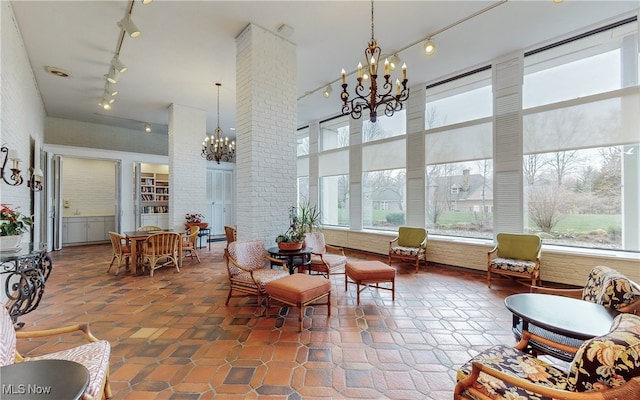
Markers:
point(187, 128)
point(266, 165)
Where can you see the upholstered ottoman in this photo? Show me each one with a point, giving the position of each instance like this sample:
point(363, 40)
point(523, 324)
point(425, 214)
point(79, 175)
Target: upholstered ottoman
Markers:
point(367, 273)
point(300, 290)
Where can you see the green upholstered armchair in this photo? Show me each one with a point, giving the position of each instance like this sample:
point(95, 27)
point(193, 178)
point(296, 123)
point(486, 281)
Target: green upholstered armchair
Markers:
point(515, 255)
point(409, 245)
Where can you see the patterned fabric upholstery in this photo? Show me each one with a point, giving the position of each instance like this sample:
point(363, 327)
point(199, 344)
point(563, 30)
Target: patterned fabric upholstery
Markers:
point(332, 260)
point(514, 362)
point(94, 356)
point(610, 360)
point(250, 254)
point(7, 338)
point(601, 363)
point(610, 288)
point(513, 265)
point(409, 245)
point(262, 276)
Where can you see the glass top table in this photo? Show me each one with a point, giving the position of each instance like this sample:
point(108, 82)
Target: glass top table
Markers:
point(44, 380)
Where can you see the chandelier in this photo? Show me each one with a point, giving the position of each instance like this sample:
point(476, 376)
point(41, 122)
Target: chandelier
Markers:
point(216, 148)
point(374, 96)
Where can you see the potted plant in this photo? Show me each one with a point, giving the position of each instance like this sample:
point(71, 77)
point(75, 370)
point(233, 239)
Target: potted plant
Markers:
point(293, 238)
point(12, 225)
point(309, 216)
point(195, 219)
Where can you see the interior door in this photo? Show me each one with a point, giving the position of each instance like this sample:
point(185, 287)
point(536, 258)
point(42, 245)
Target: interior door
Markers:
point(229, 203)
point(215, 196)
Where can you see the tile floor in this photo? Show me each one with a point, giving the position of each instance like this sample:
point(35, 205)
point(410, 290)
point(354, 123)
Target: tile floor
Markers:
point(172, 336)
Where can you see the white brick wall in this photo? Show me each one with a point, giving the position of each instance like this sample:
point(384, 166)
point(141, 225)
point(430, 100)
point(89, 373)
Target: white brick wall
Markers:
point(22, 112)
point(88, 186)
point(266, 133)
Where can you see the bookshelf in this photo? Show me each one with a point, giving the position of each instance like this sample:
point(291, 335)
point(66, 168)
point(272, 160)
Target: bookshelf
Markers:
point(154, 197)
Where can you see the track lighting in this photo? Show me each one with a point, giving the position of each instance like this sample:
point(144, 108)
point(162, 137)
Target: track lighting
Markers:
point(127, 24)
point(117, 64)
point(327, 91)
point(393, 61)
point(110, 89)
point(146, 1)
point(429, 47)
point(147, 128)
point(113, 75)
point(104, 103)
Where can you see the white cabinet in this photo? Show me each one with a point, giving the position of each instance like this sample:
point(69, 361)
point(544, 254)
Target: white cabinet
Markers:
point(79, 230)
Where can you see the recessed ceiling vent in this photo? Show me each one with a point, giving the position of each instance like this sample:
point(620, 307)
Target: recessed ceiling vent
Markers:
point(57, 71)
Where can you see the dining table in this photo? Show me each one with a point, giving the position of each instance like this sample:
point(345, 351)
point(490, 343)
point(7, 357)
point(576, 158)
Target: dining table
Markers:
point(135, 239)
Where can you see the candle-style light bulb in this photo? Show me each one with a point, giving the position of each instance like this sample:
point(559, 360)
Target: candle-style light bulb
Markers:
point(404, 71)
point(387, 66)
point(359, 70)
point(344, 76)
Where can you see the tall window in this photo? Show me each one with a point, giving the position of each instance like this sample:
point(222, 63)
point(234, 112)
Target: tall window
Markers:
point(333, 172)
point(384, 197)
point(459, 166)
point(303, 164)
point(580, 138)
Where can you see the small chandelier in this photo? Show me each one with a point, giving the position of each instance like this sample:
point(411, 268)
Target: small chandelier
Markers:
point(374, 98)
point(216, 148)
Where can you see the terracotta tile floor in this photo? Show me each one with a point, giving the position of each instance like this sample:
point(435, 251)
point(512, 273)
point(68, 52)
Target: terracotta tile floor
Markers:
point(172, 337)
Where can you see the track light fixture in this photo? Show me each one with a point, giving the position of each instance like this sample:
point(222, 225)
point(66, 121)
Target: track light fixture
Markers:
point(147, 128)
point(327, 91)
point(117, 64)
point(113, 75)
point(127, 24)
point(110, 89)
point(429, 47)
point(146, 1)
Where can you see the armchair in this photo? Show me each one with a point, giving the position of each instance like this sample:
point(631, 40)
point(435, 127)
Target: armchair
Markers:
point(94, 355)
point(409, 245)
point(605, 367)
point(325, 259)
point(515, 255)
point(160, 249)
point(246, 268)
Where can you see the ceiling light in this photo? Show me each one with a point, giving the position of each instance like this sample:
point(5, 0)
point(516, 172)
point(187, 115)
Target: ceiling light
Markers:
point(216, 148)
point(371, 98)
point(104, 104)
point(429, 47)
point(393, 61)
point(117, 64)
point(127, 24)
point(146, 1)
point(110, 88)
point(147, 128)
point(57, 71)
point(113, 75)
point(327, 91)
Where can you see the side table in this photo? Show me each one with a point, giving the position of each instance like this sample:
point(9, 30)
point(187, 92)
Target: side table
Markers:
point(23, 274)
point(44, 380)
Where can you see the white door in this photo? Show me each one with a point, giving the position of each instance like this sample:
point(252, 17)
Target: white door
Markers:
point(220, 210)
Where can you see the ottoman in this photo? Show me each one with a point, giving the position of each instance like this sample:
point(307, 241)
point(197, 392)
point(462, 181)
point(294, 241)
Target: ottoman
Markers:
point(299, 290)
point(367, 273)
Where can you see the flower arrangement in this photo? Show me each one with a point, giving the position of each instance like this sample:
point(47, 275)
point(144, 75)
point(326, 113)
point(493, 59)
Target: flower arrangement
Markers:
point(195, 218)
point(12, 222)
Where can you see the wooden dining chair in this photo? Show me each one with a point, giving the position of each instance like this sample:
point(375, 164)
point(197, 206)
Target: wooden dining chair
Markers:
point(121, 251)
point(161, 249)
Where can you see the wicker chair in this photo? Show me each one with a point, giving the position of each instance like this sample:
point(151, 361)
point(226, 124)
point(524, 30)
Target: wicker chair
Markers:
point(121, 251)
point(605, 367)
point(246, 267)
point(161, 249)
point(94, 355)
point(189, 247)
point(325, 259)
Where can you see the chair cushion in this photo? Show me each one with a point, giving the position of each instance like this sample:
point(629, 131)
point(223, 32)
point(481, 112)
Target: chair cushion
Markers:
point(608, 287)
point(94, 356)
point(369, 271)
point(410, 237)
point(514, 362)
point(333, 260)
point(407, 251)
point(513, 265)
point(262, 276)
point(610, 360)
point(298, 288)
point(518, 245)
point(7, 337)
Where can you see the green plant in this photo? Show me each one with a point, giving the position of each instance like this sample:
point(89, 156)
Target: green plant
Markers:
point(15, 222)
point(308, 217)
point(295, 233)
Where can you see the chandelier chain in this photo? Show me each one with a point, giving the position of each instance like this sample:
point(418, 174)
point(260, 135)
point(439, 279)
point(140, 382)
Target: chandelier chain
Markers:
point(372, 36)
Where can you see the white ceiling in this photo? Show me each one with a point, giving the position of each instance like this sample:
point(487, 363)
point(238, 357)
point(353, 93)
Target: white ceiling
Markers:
point(187, 46)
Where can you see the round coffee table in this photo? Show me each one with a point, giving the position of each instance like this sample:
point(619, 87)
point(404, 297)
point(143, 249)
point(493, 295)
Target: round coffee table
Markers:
point(44, 380)
point(303, 256)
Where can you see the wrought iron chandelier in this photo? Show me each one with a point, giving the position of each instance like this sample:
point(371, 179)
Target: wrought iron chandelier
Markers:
point(374, 98)
point(216, 148)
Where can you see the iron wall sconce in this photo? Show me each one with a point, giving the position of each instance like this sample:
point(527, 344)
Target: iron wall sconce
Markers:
point(16, 178)
point(35, 180)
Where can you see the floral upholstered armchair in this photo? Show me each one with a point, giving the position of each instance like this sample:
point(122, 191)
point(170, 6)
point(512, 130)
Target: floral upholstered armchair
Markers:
point(409, 245)
point(516, 255)
point(605, 367)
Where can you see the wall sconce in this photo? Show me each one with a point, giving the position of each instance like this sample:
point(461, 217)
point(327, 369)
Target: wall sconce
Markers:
point(35, 180)
point(12, 155)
